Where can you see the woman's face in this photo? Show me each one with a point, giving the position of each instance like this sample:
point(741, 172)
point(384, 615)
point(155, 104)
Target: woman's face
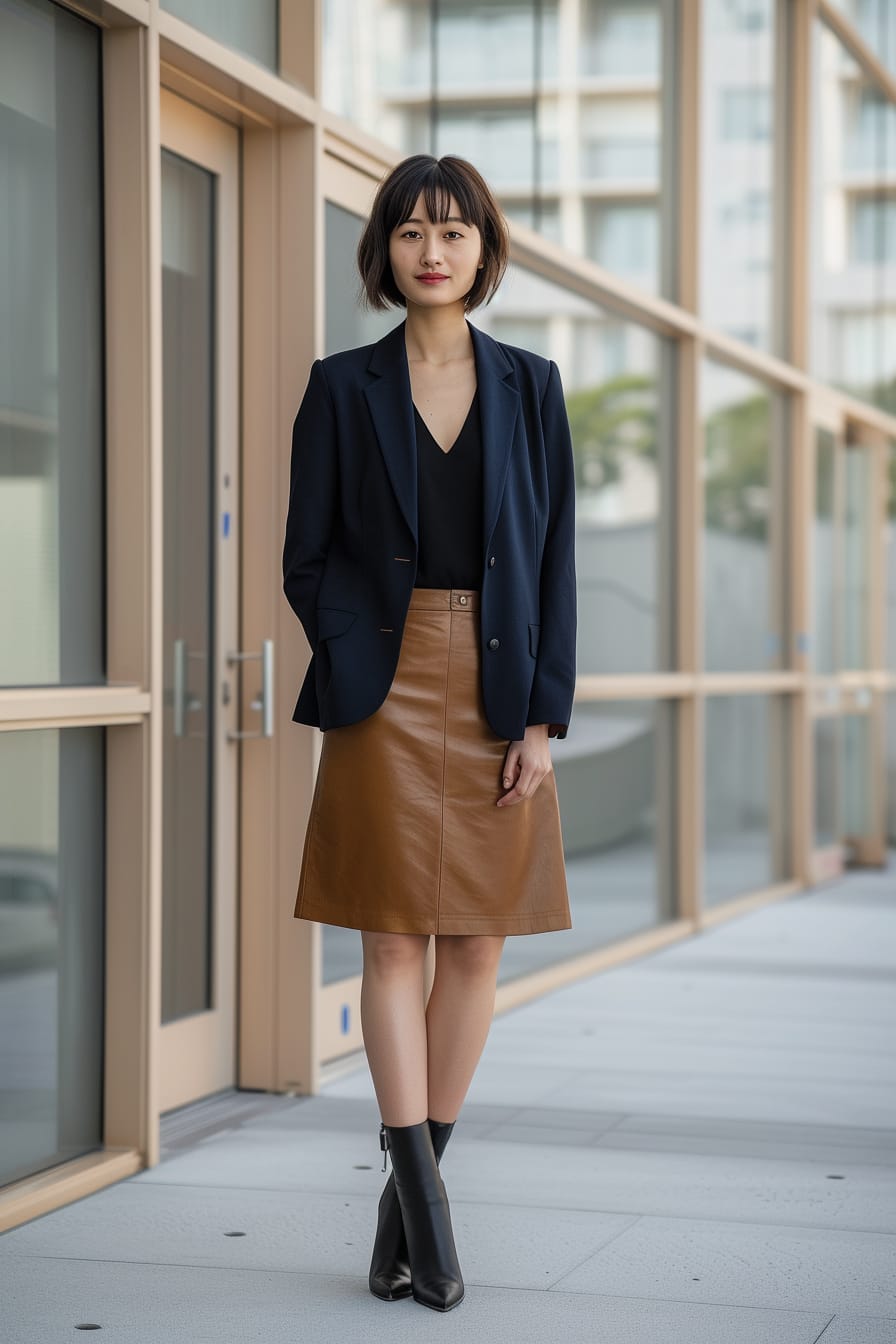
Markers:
point(418, 247)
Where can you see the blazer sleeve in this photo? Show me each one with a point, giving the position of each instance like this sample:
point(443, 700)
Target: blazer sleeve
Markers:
point(313, 489)
point(552, 692)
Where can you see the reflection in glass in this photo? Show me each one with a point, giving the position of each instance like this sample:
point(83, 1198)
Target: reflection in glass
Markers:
point(188, 383)
point(743, 505)
point(736, 254)
point(52, 808)
point(826, 751)
point(826, 601)
point(852, 320)
point(746, 795)
point(612, 372)
point(52, 508)
point(484, 79)
point(250, 29)
point(615, 774)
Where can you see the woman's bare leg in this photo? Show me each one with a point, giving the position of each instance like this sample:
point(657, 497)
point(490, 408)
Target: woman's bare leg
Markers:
point(458, 1016)
point(394, 1024)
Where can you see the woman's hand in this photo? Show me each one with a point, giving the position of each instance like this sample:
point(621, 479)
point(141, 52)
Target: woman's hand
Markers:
point(526, 764)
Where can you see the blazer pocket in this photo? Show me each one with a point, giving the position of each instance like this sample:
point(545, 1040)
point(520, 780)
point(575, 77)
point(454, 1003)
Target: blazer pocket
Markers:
point(332, 621)
point(534, 631)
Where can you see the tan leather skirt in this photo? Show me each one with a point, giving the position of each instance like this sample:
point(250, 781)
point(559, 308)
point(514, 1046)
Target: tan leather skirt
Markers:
point(403, 834)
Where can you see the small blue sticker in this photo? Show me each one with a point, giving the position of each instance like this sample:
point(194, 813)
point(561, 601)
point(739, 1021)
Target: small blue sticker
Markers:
point(226, 521)
point(345, 1019)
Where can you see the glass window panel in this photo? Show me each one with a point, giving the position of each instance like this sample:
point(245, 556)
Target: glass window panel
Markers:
point(858, 465)
point(736, 254)
point(825, 598)
point(52, 808)
point(890, 558)
point(615, 781)
point(624, 237)
point(347, 323)
point(250, 29)
point(494, 42)
point(188, 385)
point(52, 506)
point(890, 766)
point(746, 793)
point(743, 504)
point(873, 230)
point(613, 373)
point(856, 801)
point(480, 79)
point(826, 747)
point(852, 317)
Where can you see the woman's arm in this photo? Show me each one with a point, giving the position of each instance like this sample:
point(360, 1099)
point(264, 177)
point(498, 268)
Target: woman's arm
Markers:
point(312, 499)
point(551, 698)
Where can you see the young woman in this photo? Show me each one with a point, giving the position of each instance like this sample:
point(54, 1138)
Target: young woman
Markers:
point(429, 556)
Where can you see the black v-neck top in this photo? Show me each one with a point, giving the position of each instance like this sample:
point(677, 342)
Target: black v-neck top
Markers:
point(449, 506)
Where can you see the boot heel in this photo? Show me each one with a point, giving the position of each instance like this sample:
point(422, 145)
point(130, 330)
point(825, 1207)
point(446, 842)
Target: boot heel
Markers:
point(436, 1279)
point(389, 1277)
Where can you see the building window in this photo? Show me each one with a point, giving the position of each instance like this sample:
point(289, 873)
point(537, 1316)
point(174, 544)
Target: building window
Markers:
point(873, 231)
point(745, 114)
point(621, 37)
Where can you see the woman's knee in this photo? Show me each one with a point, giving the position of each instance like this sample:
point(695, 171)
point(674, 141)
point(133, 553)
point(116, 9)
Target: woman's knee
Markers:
point(472, 954)
point(394, 953)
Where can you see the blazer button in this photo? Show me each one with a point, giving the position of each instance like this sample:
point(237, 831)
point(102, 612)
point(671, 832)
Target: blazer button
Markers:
point(491, 561)
point(494, 643)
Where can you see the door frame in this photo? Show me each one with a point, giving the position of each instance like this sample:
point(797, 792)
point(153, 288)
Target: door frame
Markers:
point(197, 1053)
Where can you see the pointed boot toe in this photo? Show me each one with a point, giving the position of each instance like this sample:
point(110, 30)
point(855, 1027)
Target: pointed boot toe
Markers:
point(389, 1277)
point(436, 1279)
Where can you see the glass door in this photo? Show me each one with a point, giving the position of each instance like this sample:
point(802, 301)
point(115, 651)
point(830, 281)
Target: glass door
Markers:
point(200, 382)
point(846, 646)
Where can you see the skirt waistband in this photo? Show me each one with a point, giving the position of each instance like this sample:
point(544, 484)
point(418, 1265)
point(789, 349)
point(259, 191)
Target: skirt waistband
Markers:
point(445, 599)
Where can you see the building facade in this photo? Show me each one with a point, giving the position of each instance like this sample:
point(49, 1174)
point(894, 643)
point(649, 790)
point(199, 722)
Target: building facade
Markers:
point(702, 197)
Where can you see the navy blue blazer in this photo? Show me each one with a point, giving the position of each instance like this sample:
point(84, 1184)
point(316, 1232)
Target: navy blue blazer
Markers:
point(350, 552)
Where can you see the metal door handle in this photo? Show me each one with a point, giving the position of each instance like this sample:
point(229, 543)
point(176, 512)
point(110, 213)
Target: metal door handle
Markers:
point(264, 700)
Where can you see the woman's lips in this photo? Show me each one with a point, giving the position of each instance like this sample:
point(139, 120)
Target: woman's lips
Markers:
point(430, 279)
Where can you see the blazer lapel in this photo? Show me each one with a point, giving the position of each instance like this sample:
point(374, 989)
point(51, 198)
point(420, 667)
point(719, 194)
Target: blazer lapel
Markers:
point(392, 410)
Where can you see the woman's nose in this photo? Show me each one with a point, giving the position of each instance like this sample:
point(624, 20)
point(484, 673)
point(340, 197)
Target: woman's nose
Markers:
point(431, 253)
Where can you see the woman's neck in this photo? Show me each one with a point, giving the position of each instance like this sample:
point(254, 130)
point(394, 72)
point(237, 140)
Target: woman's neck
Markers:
point(437, 335)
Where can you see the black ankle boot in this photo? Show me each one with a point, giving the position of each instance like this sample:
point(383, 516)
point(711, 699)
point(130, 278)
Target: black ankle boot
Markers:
point(390, 1273)
point(435, 1273)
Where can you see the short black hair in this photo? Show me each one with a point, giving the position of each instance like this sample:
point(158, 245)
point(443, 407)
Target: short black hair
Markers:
point(439, 180)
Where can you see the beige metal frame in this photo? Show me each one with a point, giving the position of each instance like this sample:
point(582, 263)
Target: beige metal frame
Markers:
point(291, 146)
point(197, 1054)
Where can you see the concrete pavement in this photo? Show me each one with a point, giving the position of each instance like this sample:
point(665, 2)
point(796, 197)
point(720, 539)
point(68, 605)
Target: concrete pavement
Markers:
point(699, 1147)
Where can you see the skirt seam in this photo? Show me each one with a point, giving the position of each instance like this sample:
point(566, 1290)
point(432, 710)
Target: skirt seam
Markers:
point(444, 771)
